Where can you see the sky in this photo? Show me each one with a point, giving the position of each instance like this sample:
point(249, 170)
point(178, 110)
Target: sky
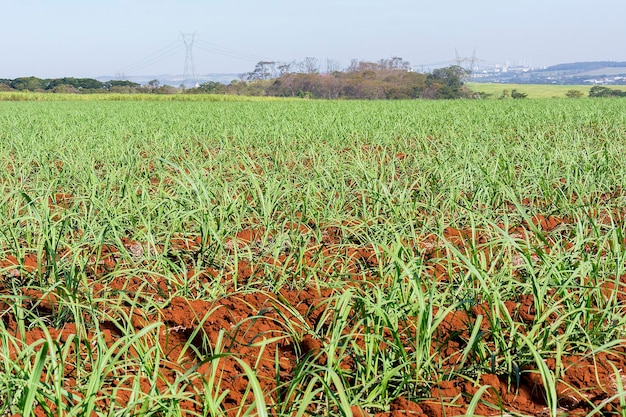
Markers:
point(93, 38)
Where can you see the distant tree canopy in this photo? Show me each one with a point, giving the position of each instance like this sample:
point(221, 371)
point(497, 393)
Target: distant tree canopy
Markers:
point(601, 91)
point(78, 83)
point(66, 84)
point(385, 79)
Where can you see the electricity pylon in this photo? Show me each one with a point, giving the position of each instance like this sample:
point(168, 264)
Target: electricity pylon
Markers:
point(189, 74)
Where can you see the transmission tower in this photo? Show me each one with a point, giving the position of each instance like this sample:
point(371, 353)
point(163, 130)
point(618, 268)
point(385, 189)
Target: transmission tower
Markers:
point(458, 59)
point(189, 74)
point(469, 64)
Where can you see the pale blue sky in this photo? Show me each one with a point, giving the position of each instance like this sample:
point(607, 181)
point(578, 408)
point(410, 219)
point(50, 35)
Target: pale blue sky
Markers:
point(89, 38)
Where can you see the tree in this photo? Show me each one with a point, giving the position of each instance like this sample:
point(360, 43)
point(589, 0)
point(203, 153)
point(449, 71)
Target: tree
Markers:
point(121, 84)
point(517, 94)
point(264, 70)
point(310, 65)
point(413, 83)
point(451, 76)
point(354, 66)
point(574, 94)
point(445, 83)
point(284, 68)
point(65, 89)
point(210, 87)
point(237, 87)
point(332, 65)
point(29, 83)
point(395, 63)
point(164, 89)
point(601, 91)
point(78, 84)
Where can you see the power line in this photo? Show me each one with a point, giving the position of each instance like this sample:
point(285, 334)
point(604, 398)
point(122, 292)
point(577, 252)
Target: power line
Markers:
point(229, 52)
point(189, 42)
point(158, 56)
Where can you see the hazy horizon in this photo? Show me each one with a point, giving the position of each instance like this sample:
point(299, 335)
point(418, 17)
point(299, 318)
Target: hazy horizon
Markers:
point(50, 39)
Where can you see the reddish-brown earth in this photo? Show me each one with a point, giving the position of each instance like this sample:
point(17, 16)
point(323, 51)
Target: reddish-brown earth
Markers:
point(272, 331)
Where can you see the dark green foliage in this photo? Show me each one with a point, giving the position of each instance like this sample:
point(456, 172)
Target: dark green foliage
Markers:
point(78, 83)
point(28, 83)
point(210, 87)
point(518, 94)
point(446, 83)
point(601, 91)
point(120, 83)
point(66, 84)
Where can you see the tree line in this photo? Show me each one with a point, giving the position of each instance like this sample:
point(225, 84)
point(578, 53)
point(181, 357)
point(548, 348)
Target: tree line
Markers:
point(385, 79)
point(82, 85)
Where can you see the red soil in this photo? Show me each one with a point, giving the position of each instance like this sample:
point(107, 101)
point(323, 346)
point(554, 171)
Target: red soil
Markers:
point(273, 332)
